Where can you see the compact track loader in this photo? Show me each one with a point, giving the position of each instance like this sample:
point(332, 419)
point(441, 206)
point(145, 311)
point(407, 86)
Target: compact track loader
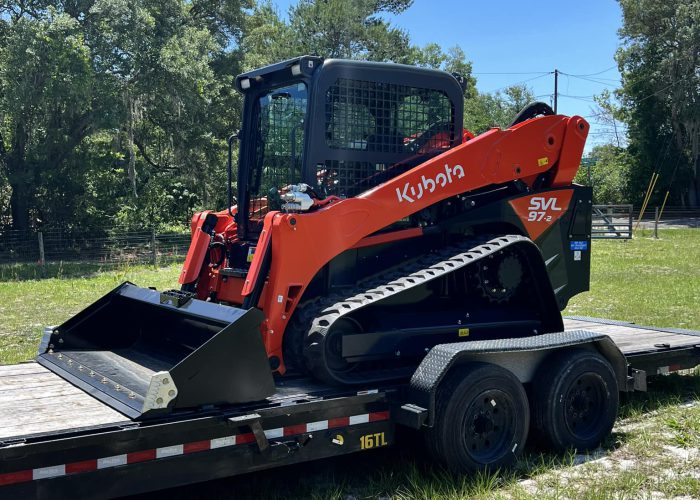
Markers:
point(369, 226)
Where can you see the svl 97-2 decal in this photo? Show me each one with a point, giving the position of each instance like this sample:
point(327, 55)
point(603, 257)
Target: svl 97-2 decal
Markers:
point(539, 211)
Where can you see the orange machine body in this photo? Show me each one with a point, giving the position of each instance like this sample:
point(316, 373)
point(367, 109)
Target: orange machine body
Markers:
point(545, 144)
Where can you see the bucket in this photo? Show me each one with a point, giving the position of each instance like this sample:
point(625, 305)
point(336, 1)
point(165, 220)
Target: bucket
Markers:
point(146, 353)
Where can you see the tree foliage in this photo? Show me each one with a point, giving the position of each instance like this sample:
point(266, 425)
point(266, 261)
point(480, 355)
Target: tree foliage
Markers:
point(115, 112)
point(484, 111)
point(129, 97)
point(608, 168)
point(660, 65)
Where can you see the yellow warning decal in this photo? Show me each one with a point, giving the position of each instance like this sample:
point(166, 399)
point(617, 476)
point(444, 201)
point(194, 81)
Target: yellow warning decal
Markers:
point(463, 332)
point(251, 254)
point(543, 161)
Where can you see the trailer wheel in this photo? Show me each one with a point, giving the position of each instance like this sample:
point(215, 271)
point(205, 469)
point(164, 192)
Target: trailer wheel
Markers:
point(574, 399)
point(481, 418)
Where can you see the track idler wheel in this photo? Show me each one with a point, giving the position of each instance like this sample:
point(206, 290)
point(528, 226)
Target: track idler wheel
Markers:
point(334, 344)
point(324, 356)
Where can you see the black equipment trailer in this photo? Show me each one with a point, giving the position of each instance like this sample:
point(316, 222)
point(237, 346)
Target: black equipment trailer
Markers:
point(56, 441)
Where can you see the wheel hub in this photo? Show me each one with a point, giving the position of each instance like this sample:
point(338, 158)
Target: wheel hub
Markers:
point(486, 426)
point(582, 405)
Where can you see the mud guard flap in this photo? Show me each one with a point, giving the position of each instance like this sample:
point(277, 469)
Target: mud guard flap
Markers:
point(146, 354)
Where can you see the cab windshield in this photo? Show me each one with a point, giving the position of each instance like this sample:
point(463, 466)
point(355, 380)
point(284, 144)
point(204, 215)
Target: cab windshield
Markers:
point(280, 115)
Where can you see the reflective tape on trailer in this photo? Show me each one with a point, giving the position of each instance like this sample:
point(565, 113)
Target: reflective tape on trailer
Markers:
point(665, 370)
point(183, 449)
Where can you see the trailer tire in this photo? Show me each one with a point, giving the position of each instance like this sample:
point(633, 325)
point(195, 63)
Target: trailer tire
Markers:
point(481, 419)
point(575, 399)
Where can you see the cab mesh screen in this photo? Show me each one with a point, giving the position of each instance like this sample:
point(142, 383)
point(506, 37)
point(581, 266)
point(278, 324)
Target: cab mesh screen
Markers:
point(408, 123)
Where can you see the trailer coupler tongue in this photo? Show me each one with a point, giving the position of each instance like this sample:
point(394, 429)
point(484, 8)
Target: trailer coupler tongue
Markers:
point(146, 353)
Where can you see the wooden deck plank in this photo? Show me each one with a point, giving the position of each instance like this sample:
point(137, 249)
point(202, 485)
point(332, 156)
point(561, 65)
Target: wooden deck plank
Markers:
point(63, 396)
point(633, 339)
point(33, 380)
point(22, 368)
point(34, 400)
point(57, 423)
point(21, 394)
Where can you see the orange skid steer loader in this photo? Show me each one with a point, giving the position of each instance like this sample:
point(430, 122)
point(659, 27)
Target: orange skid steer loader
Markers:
point(369, 227)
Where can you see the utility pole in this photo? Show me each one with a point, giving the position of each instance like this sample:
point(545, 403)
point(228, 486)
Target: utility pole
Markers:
point(556, 83)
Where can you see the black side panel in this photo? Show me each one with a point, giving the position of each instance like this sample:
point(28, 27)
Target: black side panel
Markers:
point(565, 245)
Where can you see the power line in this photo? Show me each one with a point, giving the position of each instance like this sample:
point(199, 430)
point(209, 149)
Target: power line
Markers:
point(666, 87)
point(593, 74)
point(519, 83)
point(593, 80)
point(513, 73)
point(586, 98)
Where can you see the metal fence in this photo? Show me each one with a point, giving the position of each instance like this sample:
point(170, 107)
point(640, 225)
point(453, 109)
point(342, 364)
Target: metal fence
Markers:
point(612, 222)
point(620, 221)
point(670, 217)
point(110, 246)
point(59, 245)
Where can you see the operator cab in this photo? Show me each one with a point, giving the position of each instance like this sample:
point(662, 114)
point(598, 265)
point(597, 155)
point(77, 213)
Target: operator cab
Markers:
point(341, 127)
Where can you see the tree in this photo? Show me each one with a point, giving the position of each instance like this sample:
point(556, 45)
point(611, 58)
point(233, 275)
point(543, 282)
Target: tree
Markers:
point(609, 114)
point(150, 80)
point(48, 103)
point(328, 28)
point(484, 111)
point(610, 173)
point(342, 29)
point(660, 66)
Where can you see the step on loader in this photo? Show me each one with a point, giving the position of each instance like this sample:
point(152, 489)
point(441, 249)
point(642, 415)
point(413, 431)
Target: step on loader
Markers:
point(369, 227)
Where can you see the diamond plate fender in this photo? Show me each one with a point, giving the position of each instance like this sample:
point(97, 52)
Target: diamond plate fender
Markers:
point(520, 355)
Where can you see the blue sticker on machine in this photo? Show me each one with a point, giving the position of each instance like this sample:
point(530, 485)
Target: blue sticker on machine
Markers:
point(579, 245)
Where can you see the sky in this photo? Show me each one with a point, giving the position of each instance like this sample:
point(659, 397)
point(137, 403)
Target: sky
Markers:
point(522, 41)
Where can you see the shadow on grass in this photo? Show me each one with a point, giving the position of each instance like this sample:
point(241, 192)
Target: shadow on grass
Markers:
point(405, 471)
point(68, 270)
point(663, 391)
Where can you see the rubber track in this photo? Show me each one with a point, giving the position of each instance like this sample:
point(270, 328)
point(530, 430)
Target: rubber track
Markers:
point(424, 270)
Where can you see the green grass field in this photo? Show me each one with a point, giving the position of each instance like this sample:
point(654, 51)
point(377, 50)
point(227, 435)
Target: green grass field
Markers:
point(654, 450)
point(647, 281)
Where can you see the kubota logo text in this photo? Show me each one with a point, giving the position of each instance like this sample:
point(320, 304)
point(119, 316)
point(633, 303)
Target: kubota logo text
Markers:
point(411, 193)
point(539, 205)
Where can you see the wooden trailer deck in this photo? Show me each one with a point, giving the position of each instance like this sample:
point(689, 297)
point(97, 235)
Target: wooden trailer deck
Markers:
point(34, 400)
point(634, 339)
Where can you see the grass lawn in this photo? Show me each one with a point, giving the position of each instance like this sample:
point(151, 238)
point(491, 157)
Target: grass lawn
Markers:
point(654, 450)
point(28, 303)
point(647, 281)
